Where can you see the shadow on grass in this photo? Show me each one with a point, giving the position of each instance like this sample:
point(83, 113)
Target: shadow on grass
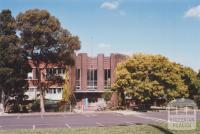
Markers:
point(164, 130)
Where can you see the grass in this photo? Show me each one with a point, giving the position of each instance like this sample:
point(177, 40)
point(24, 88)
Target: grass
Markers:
point(134, 129)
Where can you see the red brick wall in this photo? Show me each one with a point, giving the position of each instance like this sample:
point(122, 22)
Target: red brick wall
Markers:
point(100, 63)
point(84, 65)
point(100, 72)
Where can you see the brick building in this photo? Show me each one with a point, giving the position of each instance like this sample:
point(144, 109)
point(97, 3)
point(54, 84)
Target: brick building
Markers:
point(89, 78)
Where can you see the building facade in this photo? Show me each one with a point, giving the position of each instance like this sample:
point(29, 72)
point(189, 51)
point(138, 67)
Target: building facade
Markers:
point(89, 78)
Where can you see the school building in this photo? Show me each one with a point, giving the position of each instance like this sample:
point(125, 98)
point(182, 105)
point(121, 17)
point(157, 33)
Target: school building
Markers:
point(89, 78)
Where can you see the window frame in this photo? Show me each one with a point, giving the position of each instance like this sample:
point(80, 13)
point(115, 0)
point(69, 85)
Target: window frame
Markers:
point(92, 78)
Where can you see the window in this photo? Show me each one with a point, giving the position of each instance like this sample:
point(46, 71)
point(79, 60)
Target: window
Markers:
point(49, 91)
point(35, 73)
point(107, 76)
point(31, 90)
point(92, 78)
point(62, 70)
point(55, 71)
point(30, 76)
point(59, 70)
point(58, 90)
point(54, 91)
point(78, 78)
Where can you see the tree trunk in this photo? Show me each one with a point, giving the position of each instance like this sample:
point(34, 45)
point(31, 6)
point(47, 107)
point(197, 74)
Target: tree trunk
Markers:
point(1, 96)
point(2, 107)
point(42, 108)
point(123, 101)
point(4, 100)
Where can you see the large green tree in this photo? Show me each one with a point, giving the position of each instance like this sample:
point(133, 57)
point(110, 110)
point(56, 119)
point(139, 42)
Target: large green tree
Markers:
point(190, 78)
point(147, 78)
point(197, 96)
point(198, 75)
point(13, 64)
point(46, 42)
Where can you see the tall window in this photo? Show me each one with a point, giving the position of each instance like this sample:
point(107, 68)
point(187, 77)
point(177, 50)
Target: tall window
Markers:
point(92, 79)
point(107, 76)
point(78, 79)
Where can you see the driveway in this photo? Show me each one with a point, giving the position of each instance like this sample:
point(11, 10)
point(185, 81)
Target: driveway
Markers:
point(77, 120)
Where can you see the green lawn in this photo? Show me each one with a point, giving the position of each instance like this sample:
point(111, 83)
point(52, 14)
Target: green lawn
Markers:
point(134, 129)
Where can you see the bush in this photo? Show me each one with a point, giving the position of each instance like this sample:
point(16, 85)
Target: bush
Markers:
point(35, 107)
point(107, 96)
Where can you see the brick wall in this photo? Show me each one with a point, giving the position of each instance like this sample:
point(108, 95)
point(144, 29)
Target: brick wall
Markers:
point(100, 63)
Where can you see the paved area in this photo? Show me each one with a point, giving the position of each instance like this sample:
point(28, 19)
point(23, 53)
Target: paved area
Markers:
point(35, 121)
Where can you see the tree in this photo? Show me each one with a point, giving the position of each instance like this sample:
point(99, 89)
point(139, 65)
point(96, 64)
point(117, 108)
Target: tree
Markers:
point(147, 78)
point(13, 64)
point(196, 94)
point(66, 87)
point(190, 78)
point(45, 41)
point(198, 75)
point(107, 96)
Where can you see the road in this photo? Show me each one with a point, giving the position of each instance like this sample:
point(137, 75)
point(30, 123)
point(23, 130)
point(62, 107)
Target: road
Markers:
point(76, 120)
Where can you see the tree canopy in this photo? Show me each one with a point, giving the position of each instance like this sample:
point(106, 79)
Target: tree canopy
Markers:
point(198, 74)
point(13, 64)
point(43, 37)
point(45, 41)
point(190, 78)
point(146, 78)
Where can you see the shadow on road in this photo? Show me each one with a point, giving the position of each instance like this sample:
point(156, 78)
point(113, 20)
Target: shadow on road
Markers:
point(165, 131)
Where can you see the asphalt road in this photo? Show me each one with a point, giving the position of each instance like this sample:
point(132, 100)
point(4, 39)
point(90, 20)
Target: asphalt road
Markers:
point(80, 120)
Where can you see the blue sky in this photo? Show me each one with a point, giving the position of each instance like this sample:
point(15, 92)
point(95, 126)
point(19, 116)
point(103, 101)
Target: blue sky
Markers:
point(167, 27)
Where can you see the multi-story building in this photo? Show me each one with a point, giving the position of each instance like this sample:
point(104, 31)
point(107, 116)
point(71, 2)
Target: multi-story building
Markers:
point(89, 78)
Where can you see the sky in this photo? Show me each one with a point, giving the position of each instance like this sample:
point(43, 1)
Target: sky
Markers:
point(167, 27)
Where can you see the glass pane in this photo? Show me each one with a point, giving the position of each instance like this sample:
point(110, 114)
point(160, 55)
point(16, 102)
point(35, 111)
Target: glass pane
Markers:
point(54, 91)
point(88, 74)
point(95, 75)
point(50, 71)
point(109, 73)
point(59, 70)
point(105, 74)
point(54, 70)
point(77, 74)
point(58, 90)
point(63, 70)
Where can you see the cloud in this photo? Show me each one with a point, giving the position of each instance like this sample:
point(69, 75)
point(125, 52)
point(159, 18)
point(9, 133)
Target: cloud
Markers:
point(104, 46)
point(193, 12)
point(110, 5)
point(122, 13)
point(113, 5)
